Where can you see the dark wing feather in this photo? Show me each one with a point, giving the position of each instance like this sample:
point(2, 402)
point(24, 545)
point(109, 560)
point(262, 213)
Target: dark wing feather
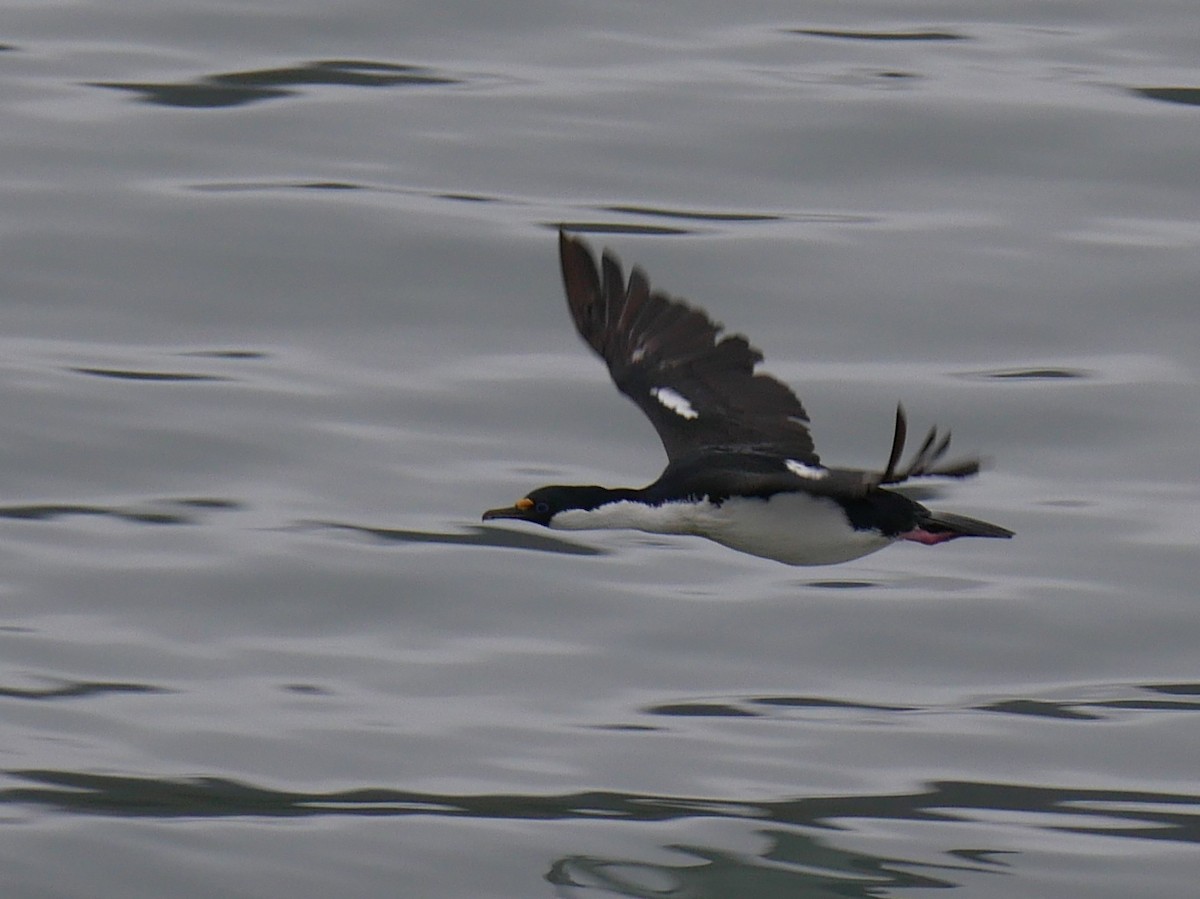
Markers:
point(698, 389)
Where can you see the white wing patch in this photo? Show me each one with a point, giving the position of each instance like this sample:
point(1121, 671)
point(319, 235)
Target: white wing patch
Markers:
point(801, 470)
point(675, 402)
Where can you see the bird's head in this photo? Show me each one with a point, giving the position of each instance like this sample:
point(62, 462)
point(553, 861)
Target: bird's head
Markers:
point(541, 505)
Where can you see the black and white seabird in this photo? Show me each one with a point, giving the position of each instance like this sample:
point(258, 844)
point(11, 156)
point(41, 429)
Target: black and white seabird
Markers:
point(741, 469)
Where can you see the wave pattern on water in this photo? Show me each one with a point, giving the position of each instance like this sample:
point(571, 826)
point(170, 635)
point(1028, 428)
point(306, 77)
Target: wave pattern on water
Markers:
point(800, 852)
point(919, 36)
point(1178, 697)
point(1147, 814)
point(163, 511)
point(501, 538)
point(240, 88)
point(1186, 96)
point(77, 690)
point(132, 375)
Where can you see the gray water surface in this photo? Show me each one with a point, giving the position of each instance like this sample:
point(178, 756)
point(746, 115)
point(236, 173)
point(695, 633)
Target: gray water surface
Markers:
point(282, 315)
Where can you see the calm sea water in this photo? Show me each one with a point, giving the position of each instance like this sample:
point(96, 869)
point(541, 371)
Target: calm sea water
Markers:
point(281, 316)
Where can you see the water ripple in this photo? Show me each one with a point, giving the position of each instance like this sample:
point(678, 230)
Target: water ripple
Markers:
point(582, 227)
point(497, 538)
point(695, 215)
point(700, 215)
point(1145, 814)
point(240, 88)
point(141, 375)
point(1029, 374)
point(77, 689)
point(1132, 698)
point(1187, 96)
point(226, 354)
point(880, 35)
point(765, 706)
point(167, 511)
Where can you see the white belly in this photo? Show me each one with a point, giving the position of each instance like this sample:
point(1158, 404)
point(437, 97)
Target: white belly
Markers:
point(794, 528)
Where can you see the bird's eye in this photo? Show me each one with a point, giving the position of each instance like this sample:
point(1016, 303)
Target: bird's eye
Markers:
point(542, 508)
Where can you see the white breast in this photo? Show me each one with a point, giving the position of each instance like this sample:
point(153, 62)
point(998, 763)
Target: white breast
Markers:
point(794, 528)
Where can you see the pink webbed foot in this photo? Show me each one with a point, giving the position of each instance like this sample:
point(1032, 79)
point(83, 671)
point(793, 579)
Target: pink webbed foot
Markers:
point(928, 538)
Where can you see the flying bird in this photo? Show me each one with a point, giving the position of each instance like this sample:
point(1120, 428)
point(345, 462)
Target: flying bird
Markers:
point(742, 469)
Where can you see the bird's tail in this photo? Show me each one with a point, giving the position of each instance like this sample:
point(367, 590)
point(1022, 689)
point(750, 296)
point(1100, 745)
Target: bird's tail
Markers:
point(952, 526)
point(926, 461)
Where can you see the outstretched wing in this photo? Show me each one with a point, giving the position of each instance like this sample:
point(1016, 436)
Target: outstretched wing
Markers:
point(698, 389)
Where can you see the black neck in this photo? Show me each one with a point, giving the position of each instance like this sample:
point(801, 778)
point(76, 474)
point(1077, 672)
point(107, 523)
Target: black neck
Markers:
point(591, 497)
